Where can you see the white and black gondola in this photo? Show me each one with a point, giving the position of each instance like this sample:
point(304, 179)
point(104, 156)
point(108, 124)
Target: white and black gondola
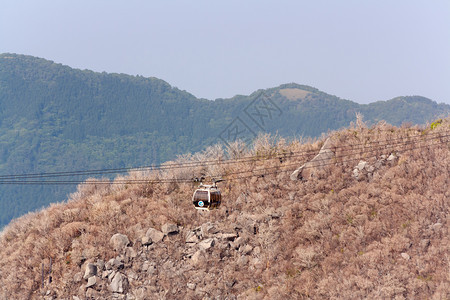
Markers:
point(207, 197)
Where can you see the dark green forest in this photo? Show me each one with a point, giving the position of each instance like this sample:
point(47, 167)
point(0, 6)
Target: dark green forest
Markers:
point(54, 118)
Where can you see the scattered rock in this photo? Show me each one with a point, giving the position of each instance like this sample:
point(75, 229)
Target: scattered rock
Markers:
point(191, 237)
point(361, 165)
point(119, 283)
point(156, 236)
point(198, 256)
point(91, 270)
point(227, 236)
point(191, 286)
point(82, 290)
point(119, 241)
point(91, 281)
point(130, 297)
point(405, 256)
point(365, 170)
point(151, 270)
point(436, 226)
point(206, 244)
point(118, 296)
point(369, 168)
point(130, 253)
point(91, 293)
point(391, 158)
point(145, 266)
point(361, 170)
point(106, 273)
point(243, 260)
point(109, 264)
point(237, 243)
point(146, 241)
point(114, 263)
point(424, 243)
point(131, 275)
point(378, 164)
point(78, 277)
point(208, 229)
point(246, 249)
point(100, 265)
point(111, 275)
point(169, 228)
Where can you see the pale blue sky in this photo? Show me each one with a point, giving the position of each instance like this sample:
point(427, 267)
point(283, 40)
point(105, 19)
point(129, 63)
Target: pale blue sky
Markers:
point(358, 50)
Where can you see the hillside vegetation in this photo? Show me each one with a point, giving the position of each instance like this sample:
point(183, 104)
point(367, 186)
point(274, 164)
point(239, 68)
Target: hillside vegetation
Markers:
point(54, 118)
point(370, 223)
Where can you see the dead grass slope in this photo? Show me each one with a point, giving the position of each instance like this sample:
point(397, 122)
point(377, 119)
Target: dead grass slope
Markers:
point(382, 236)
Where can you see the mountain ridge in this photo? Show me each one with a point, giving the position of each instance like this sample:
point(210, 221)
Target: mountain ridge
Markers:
point(48, 62)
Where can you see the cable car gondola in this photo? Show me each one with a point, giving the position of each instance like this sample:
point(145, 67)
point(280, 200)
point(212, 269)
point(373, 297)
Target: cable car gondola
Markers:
point(207, 197)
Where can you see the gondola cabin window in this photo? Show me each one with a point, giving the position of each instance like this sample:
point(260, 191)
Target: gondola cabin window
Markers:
point(202, 199)
point(206, 197)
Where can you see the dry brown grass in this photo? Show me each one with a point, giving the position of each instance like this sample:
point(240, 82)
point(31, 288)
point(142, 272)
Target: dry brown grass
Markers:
point(294, 94)
point(329, 237)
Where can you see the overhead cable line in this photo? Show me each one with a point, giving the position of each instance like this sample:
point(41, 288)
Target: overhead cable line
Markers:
point(333, 163)
point(159, 180)
point(175, 165)
point(175, 180)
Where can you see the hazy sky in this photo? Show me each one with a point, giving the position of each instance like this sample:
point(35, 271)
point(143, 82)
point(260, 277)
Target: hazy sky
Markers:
point(358, 50)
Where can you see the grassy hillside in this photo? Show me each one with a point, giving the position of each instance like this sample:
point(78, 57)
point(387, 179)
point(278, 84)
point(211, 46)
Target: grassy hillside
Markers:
point(54, 118)
point(369, 223)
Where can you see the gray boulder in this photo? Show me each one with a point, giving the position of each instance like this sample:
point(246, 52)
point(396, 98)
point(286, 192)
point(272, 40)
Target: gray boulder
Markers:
point(119, 241)
point(169, 228)
point(130, 253)
point(91, 270)
point(78, 277)
point(208, 229)
point(198, 256)
point(115, 264)
point(91, 281)
point(154, 235)
point(146, 241)
point(238, 243)
point(392, 158)
point(119, 284)
point(191, 237)
point(206, 244)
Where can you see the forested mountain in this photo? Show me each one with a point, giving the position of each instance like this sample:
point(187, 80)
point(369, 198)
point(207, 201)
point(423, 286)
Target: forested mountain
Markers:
point(54, 118)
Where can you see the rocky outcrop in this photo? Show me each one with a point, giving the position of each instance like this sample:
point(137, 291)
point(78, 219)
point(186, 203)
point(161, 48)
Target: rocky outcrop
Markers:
point(365, 170)
point(324, 156)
